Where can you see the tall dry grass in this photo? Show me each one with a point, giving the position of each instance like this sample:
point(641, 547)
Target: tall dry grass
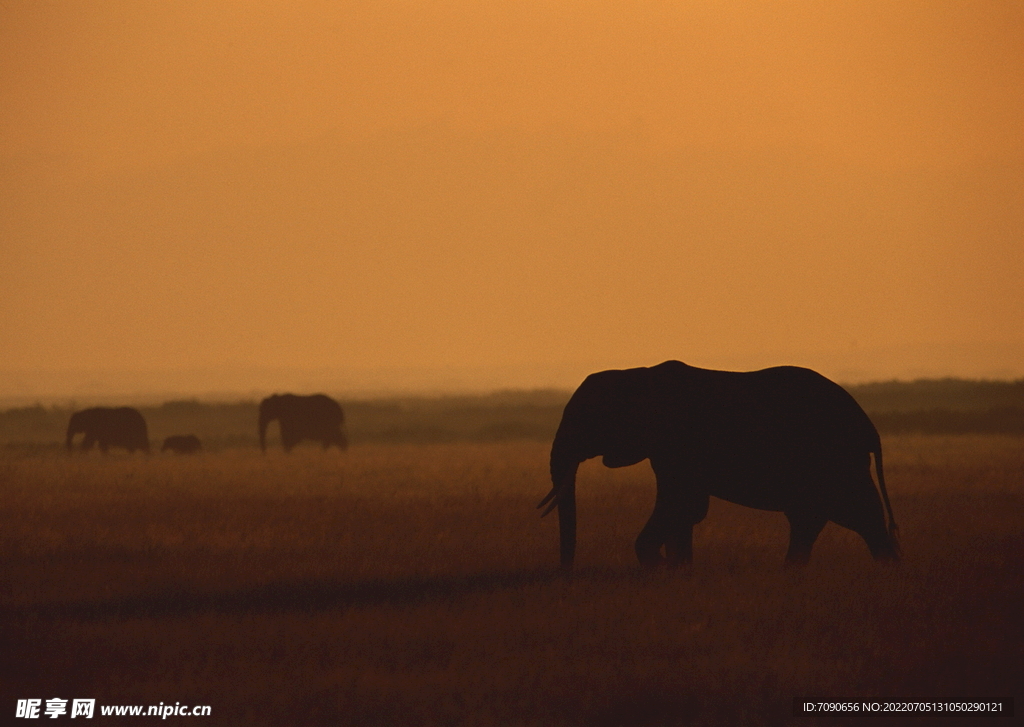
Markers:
point(416, 584)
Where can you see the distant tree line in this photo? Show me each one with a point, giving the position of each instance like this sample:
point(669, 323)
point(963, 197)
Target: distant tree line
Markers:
point(938, 395)
point(946, 406)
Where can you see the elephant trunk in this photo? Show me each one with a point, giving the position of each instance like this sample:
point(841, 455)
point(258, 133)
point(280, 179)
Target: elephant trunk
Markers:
point(263, 422)
point(73, 429)
point(567, 516)
point(563, 496)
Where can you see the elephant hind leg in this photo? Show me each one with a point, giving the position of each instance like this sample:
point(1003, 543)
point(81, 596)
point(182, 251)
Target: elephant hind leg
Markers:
point(649, 542)
point(804, 529)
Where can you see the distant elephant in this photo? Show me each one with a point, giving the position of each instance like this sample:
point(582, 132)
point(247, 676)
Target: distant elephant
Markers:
point(317, 417)
point(784, 439)
point(182, 444)
point(121, 427)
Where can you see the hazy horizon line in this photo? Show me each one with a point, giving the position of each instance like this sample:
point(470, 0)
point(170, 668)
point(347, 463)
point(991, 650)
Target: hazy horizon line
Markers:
point(95, 386)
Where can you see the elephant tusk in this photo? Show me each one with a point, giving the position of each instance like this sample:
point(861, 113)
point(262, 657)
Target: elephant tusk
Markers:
point(553, 497)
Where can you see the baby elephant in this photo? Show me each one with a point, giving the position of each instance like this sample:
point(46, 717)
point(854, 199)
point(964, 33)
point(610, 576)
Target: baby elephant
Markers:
point(182, 444)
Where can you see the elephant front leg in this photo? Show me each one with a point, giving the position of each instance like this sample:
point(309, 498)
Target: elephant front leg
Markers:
point(676, 511)
point(692, 508)
point(679, 546)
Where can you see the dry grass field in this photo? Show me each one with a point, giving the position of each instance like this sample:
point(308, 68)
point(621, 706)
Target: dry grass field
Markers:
point(415, 584)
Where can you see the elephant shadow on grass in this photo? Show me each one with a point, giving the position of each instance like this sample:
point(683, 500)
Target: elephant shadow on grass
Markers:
point(287, 596)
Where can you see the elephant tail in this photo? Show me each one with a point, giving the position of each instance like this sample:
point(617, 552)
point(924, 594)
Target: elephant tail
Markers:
point(893, 528)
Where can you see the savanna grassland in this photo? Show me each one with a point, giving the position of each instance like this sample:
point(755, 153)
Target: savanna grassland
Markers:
point(415, 584)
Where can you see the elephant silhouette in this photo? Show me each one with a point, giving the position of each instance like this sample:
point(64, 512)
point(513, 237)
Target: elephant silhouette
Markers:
point(784, 439)
point(318, 418)
point(182, 444)
point(107, 427)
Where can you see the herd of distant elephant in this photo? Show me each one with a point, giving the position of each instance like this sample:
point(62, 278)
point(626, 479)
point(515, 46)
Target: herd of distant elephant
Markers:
point(784, 439)
point(317, 418)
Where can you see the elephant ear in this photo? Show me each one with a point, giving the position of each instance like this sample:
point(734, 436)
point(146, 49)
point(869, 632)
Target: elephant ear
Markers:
point(629, 420)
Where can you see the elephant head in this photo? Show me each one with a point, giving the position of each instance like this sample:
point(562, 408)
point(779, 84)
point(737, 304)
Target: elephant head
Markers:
point(609, 415)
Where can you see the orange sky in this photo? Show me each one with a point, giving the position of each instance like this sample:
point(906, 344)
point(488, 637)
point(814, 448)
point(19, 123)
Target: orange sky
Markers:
point(506, 193)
